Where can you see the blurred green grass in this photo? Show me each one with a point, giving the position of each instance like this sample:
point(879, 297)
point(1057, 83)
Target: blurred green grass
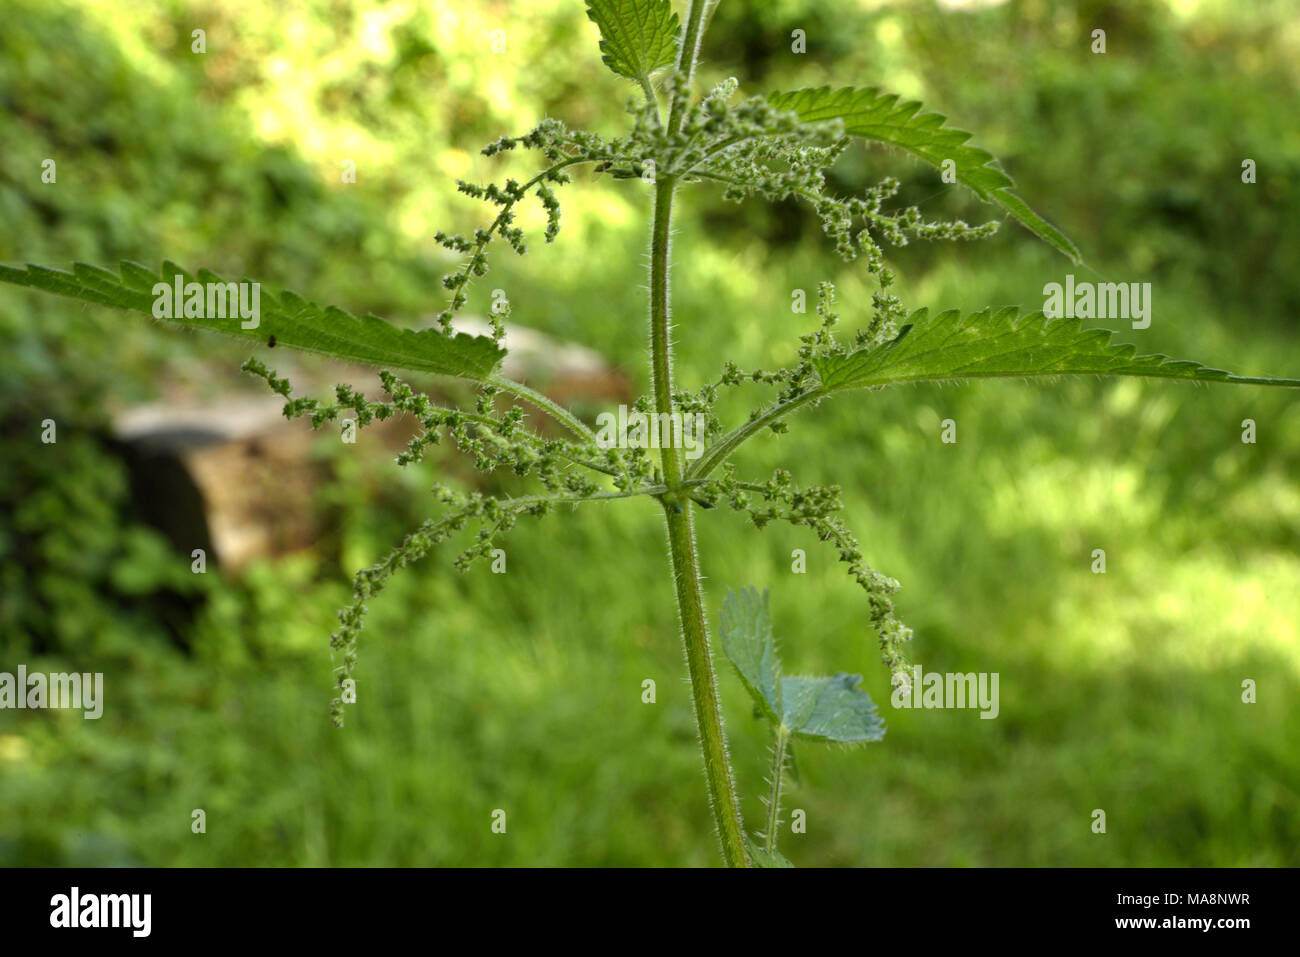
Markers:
point(523, 691)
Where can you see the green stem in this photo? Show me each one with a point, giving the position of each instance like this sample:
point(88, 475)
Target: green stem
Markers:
point(677, 504)
point(651, 100)
point(685, 560)
point(720, 451)
point(686, 58)
point(774, 797)
point(523, 501)
point(576, 425)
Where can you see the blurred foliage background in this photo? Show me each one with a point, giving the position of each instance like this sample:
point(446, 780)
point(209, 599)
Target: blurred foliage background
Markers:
point(1119, 691)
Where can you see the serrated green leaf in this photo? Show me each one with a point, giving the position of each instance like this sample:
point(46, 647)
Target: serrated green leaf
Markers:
point(830, 709)
point(638, 37)
point(878, 116)
point(994, 343)
point(293, 321)
point(746, 632)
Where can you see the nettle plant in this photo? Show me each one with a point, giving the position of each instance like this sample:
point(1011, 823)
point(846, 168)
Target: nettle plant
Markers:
point(777, 146)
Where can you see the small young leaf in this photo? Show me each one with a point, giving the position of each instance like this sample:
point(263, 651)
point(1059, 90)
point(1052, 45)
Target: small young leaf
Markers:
point(993, 343)
point(638, 37)
point(830, 709)
point(819, 709)
point(746, 630)
point(879, 116)
point(291, 320)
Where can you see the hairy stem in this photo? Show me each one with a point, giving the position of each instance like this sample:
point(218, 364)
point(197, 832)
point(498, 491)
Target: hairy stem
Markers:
point(685, 560)
point(651, 100)
point(774, 796)
point(721, 450)
point(690, 52)
point(563, 415)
